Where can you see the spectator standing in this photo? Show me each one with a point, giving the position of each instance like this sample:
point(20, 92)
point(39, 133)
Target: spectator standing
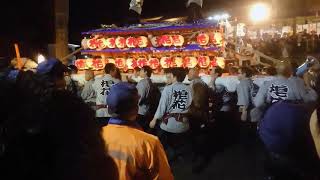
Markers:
point(138, 155)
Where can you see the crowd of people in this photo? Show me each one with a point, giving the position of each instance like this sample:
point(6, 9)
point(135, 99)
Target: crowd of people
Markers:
point(51, 128)
point(286, 46)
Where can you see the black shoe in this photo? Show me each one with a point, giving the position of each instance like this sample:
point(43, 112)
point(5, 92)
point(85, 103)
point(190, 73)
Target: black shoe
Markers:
point(194, 13)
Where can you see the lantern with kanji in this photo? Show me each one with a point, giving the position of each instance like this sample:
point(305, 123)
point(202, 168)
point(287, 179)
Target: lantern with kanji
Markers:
point(131, 63)
point(80, 64)
point(142, 61)
point(120, 62)
point(97, 64)
point(178, 40)
point(131, 42)
point(120, 42)
point(166, 40)
point(166, 62)
point(142, 41)
point(190, 62)
point(94, 43)
point(203, 61)
point(154, 63)
point(156, 41)
point(102, 43)
point(203, 39)
point(111, 43)
point(178, 61)
point(84, 43)
point(213, 63)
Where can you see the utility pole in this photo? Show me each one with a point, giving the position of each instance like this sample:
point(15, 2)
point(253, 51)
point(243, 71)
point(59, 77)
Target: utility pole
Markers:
point(61, 14)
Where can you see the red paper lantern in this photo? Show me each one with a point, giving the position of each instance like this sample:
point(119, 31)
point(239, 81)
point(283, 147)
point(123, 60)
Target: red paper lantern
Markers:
point(178, 40)
point(142, 41)
point(120, 42)
point(80, 63)
point(166, 40)
point(102, 43)
point(166, 62)
point(203, 61)
point(213, 63)
point(97, 64)
point(178, 61)
point(131, 42)
point(131, 63)
point(94, 43)
point(203, 39)
point(120, 63)
point(154, 63)
point(156, 41)
point(190, 62)
point(111, 43)
point(142, 62)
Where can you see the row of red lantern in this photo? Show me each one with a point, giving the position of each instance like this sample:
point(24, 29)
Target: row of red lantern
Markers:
point(154, 63)
point(99, 43)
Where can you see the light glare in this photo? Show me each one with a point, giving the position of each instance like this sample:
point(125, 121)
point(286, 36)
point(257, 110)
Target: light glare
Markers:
point(259, 12)
point(41, 58)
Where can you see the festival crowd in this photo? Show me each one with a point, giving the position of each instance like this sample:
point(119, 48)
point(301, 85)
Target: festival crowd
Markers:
point(283, 46)
point(51, 128)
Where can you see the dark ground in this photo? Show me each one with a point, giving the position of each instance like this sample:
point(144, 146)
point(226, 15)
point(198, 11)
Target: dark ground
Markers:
point(233, 163)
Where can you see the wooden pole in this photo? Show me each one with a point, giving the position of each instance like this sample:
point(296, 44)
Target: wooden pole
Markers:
point(19, 61)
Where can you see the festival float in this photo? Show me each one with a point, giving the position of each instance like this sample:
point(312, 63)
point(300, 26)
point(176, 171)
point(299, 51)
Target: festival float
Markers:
point(158, 45)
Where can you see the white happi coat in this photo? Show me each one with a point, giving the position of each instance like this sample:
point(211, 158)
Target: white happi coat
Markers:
point(175, 98)
point(102, 87)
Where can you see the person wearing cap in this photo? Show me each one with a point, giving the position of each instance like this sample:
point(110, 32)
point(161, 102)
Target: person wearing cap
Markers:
point(282, 88)
point(173, 110)
point(102, 87)
point(52, 70)
point(285, 133)
point(138, 155)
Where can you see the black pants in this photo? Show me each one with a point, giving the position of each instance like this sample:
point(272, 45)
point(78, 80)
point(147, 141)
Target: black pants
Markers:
point(174, 144)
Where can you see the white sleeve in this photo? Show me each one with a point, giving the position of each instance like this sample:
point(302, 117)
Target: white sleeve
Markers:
point(261, 97)
point(163, 104)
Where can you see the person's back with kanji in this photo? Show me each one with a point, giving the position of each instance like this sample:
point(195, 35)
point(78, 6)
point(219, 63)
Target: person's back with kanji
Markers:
point(280, 88)
point(102, 87)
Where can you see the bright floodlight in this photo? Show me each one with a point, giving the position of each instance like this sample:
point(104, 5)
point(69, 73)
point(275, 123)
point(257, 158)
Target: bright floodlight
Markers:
point(225, 16)
point(259, 12)
point(41, 58)
point(210, 18)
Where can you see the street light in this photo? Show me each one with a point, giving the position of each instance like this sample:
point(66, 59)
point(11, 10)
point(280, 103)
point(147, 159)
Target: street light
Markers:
point(41, 58)
point(259, 12)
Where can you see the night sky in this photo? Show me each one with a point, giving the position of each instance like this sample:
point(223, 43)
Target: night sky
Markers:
point(30, 23)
